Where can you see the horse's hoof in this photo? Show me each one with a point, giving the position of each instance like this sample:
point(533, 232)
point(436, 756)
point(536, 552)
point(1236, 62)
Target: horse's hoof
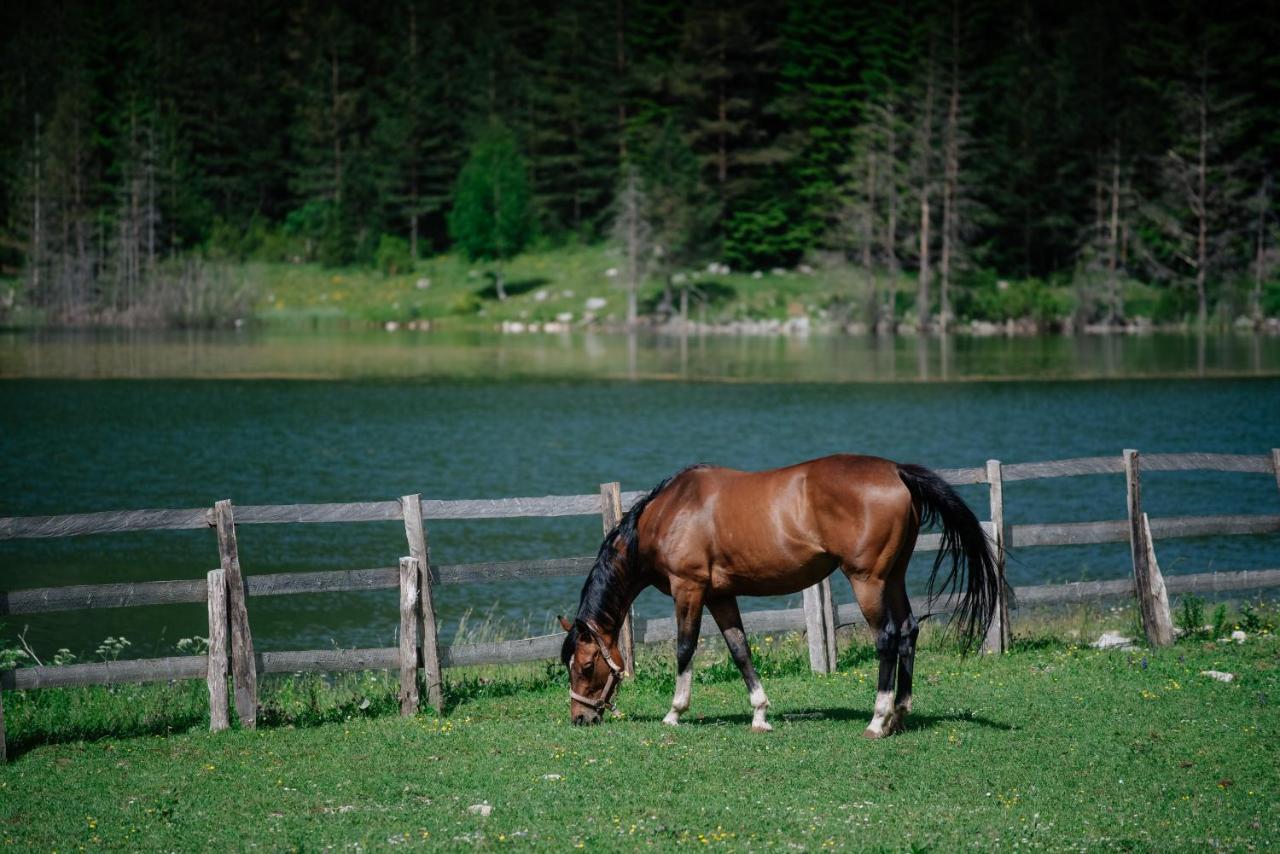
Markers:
point(872, 733)
point(762, 728)
point(672, 719)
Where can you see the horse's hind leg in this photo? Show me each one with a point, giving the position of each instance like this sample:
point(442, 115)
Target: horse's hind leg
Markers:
point(871, 597)
point(730, 622)
point(688, 624)
point(908, 632)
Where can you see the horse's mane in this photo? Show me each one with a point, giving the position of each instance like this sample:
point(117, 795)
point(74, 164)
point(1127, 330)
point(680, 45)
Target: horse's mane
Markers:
point(604, 592)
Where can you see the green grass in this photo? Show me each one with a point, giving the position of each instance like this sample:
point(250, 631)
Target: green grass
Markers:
point(1051, 746)
point(542, 285)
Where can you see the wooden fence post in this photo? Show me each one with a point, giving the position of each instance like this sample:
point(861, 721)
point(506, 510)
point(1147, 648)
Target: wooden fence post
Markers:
point(219, 715)
point(998, 634)
point(1153, 600)
point(409, 574)
point(611, 514)
point(819, 620)
point(416, 533)
point(243, 672)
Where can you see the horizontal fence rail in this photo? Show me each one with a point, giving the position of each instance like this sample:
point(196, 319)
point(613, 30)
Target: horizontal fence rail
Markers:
point(231, 653)
point(544, 647)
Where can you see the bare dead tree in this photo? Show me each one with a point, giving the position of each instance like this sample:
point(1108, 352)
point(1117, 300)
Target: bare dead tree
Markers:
point(632, 233)
point(924, 177)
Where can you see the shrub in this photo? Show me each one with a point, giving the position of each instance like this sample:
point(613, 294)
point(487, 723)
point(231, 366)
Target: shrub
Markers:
point(1191, 616)
point(392, 255)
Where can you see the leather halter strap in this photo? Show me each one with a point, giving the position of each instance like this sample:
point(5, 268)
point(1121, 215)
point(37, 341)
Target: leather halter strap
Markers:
point(605, 701)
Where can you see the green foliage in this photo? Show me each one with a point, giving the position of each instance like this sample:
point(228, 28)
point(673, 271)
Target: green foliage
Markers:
point(1191, 616)
point(985, 296)
point(392, 257)
point(491, 219)
point(763, 234)
point(1220, 626)
point(1257, 619)
point(1271, 298)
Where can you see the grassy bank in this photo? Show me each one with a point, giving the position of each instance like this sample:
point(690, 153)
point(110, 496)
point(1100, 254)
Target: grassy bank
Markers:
point(1051, 746)
point(574, 284)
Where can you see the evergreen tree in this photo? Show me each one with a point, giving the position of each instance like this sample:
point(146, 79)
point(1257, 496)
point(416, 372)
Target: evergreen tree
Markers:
point(491, 219)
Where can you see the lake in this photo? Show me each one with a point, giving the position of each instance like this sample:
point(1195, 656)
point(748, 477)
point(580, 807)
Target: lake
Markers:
point(99, 421)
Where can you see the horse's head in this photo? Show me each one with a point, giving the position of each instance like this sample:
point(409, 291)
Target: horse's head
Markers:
point(594, 671)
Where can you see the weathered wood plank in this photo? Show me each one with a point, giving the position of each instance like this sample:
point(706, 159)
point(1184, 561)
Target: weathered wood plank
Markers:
point(327, 581)
point(472, 573)
point(505, 652)
point(1062, 468)
point(508, 508)
point(961, 477)
point(997, 638)
point(1248, 463)
point(820, 629)
point(216, 676)
point(409, 616)
point(107, 672)
point(610, 516)
point(328, 660)
point(1205, 582)
point(1153, 601)
point(415, 532)
point(80, 596)
point(284, 514)
point(242, 660)
point(1116, 531)
point(111, 521)
point(1275, 465)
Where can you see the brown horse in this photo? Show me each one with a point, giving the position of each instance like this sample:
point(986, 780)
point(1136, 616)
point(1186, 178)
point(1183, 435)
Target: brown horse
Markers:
point(706, 535)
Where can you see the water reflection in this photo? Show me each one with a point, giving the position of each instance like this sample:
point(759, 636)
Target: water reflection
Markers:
point(690, 354)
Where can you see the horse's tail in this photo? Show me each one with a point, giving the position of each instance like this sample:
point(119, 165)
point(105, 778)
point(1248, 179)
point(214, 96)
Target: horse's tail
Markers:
point(973, 564)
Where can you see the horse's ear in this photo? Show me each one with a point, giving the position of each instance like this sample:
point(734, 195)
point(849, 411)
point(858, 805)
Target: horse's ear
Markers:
point(565, 624)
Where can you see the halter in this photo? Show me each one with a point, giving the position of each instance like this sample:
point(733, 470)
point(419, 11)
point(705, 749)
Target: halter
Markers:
point(611, 684)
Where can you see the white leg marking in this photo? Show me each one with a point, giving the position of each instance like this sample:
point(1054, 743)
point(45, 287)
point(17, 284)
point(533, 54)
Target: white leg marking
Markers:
point(760, 703)
point(680, 702)
point(884, 708)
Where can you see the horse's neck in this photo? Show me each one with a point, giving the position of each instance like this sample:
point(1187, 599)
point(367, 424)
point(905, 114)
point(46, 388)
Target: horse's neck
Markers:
point(617, 590)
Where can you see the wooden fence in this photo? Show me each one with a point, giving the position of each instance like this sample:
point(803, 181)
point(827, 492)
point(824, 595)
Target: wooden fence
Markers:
point(419, 659)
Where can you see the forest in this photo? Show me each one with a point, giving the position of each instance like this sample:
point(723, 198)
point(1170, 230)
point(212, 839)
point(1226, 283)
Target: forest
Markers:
point(1081, 142)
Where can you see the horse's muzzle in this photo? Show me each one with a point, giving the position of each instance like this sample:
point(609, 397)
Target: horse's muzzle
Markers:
point(583, 720)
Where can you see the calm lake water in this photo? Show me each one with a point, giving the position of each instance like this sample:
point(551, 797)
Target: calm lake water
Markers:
point(106, 422)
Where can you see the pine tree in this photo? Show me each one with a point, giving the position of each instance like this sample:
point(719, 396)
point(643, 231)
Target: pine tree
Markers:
point(491, 219)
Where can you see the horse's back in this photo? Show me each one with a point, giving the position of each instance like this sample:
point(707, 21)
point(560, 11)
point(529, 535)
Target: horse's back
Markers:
point(777, 530)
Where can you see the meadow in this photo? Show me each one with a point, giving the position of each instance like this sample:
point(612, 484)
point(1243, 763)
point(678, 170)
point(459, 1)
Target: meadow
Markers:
point(1052, 746)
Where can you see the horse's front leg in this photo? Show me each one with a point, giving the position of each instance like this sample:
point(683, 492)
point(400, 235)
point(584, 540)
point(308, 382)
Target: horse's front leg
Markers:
point(729, 620)
point(688, 624)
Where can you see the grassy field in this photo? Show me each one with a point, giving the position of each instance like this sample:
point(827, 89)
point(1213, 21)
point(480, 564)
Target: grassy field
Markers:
point(541, 287)
point(1052, 746)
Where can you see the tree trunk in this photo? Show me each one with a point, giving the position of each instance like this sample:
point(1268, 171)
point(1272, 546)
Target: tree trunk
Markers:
point(926, 160)
point(336, 126)
point(1255, 301)
point(633, 250)
point(620, 54)
point(35, 254)
point(1115, 308)
point(891, 231)
point(951, 169)
point(1201, 208)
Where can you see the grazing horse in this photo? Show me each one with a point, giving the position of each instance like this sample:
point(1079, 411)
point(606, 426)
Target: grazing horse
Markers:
point(707, 535)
